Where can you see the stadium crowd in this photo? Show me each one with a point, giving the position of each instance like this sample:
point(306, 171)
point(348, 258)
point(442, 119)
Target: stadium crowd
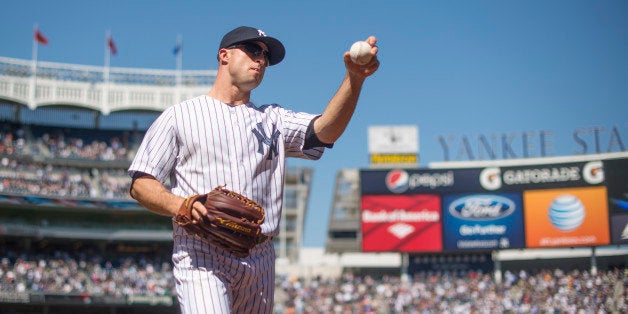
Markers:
point(84, 273)
point(60, 146)
point(41, 179)
point(21, 174)
point(545, 291)
point(57, 142)
point(542, 292)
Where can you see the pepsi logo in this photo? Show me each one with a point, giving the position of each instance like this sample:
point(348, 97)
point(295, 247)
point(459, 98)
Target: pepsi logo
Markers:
point(397, 181)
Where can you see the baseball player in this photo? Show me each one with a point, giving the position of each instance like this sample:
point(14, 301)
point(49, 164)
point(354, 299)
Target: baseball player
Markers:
point(223, 139)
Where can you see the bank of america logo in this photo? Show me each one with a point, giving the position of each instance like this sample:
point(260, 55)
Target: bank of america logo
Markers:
point(401, 230)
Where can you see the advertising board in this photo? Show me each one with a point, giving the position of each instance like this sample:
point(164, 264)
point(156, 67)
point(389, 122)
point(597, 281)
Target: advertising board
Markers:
point(564, 204)
point(401, 223)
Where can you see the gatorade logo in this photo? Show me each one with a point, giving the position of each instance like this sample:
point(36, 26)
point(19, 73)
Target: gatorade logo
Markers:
point(490, 178)
point(593, 172)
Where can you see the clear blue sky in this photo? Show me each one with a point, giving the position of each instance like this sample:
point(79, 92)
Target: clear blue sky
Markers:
point(453, 68)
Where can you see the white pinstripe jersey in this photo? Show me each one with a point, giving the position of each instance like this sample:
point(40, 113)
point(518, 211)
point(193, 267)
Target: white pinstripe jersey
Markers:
point(202, 143)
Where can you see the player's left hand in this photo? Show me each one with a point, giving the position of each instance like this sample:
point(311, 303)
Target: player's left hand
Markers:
point(363, 71)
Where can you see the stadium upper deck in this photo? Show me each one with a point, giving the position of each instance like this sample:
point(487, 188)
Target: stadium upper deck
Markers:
point(98, 88)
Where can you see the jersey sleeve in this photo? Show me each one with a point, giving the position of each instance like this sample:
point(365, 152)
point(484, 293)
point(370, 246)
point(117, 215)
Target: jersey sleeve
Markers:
point(294, 129)
point(157, 153)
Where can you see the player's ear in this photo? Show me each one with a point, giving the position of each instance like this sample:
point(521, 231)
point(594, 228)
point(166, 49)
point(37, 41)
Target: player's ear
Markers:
point(223, 56)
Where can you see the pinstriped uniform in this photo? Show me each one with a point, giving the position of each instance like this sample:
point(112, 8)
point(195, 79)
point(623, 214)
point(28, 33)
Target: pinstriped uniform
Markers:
point(202, 143)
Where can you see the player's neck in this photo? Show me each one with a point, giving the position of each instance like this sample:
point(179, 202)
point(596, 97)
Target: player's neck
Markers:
point(231, 96)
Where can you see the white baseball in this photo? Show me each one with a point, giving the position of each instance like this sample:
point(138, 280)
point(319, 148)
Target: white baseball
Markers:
point(360, 52)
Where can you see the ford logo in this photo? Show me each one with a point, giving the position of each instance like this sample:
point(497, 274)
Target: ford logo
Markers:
point(482, 207)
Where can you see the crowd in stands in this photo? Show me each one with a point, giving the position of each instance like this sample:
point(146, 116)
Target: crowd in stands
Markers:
point(67, 143)
point(545, 291)
point(40, 176)
point(85, 273)
point(25, 178)
point(37, 179)
point(12, 140)
point(64, 143)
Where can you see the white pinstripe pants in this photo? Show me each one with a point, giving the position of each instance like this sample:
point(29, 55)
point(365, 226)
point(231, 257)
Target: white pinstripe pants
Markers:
point(211, 280)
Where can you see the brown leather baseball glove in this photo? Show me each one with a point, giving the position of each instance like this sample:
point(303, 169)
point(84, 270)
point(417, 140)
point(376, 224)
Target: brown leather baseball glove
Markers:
point(232, 221)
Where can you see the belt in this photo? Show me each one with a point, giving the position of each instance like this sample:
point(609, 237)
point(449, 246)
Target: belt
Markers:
point(262, 238)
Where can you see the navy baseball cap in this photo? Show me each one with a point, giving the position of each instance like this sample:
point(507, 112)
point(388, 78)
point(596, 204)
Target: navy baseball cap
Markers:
point(242, 34)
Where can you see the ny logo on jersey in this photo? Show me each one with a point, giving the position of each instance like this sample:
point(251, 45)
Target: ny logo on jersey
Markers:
point(271, 141)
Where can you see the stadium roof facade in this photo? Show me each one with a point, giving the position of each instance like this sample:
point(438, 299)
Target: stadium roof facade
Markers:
point(103, 89)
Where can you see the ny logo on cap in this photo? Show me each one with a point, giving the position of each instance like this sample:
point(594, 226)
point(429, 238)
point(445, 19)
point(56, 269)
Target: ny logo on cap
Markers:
point(261, 33)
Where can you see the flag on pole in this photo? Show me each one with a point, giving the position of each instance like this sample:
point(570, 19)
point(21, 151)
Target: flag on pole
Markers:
point(112, 46)
point(178, 52)
point(177, 49)
point(40, 38)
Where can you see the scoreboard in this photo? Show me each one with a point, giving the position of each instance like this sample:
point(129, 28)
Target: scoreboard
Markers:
point(549, 205)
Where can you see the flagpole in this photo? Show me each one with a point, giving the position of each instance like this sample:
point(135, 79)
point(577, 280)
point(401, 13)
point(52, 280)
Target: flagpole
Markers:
point(179, 58)
point(107, 57)
point(105, 95)
point(33, 83)
point(179, 50)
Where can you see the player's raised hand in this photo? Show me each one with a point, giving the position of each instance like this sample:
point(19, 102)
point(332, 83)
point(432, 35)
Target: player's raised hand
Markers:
point(363, 70)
